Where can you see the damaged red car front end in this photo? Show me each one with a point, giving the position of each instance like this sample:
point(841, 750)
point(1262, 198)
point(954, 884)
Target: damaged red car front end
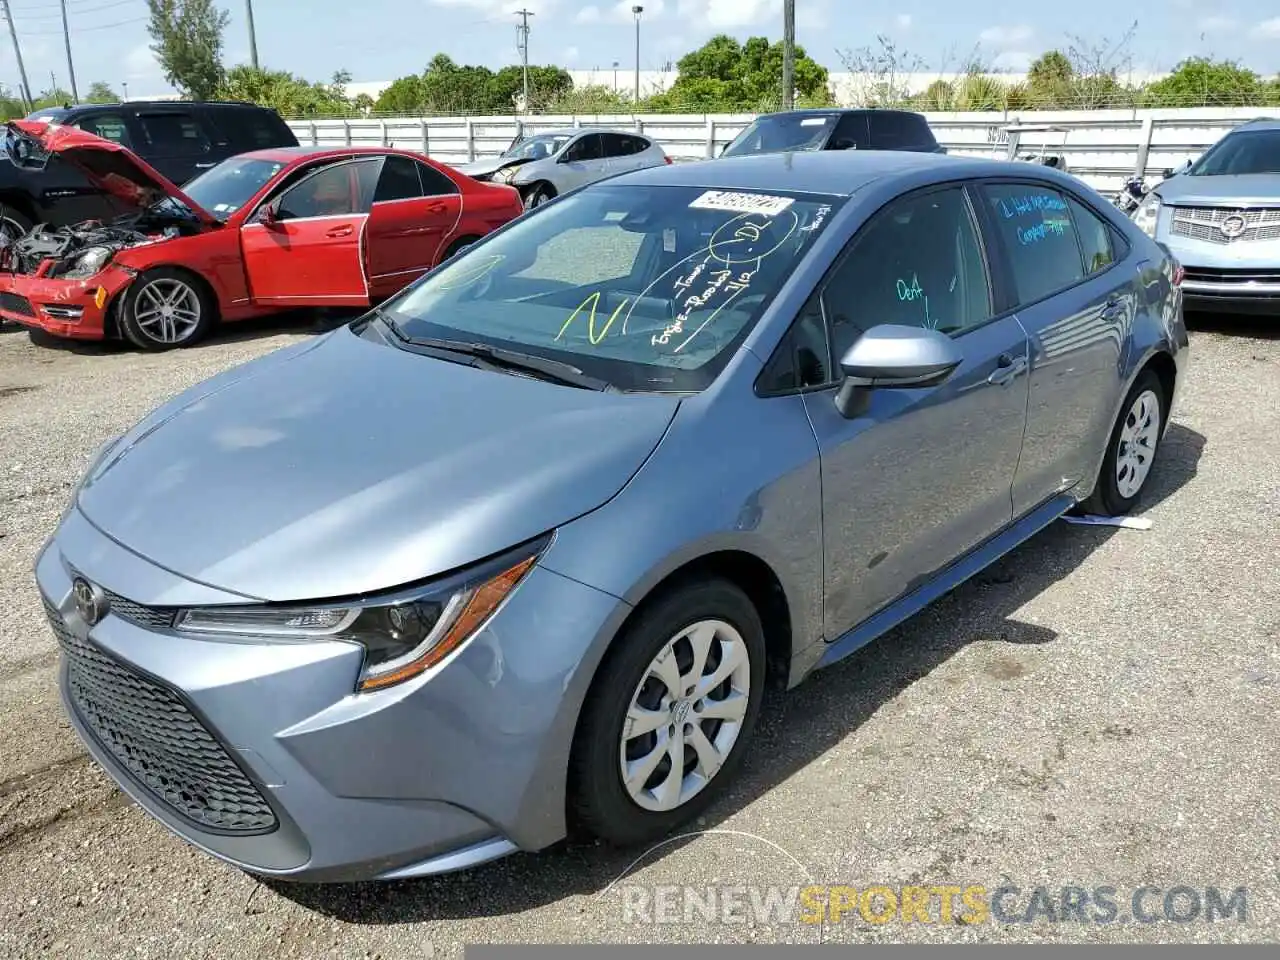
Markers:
point(66, 280)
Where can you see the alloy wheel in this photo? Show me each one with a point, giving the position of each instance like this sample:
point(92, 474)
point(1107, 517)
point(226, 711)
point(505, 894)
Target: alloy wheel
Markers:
point(1137, 446)
point(685, 715)
point(167, 310)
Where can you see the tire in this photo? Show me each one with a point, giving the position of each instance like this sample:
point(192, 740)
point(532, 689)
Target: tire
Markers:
point(142, 319)
point(1138, 431)
point(599, 800)
point(538, 196)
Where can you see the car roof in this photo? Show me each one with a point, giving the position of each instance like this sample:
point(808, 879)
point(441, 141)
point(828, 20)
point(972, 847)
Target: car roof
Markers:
point(290, 154)
point(839, 111)
point(145, 105)
point(574, 131)
point(831, 172)
point(1261, 123)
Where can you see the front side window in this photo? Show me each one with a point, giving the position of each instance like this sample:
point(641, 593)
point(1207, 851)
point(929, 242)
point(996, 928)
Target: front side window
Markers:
point(1035, 224)
point(1240, 152)
point(335, 191)
point(108, 126)
point(588, 148)
point(648, 288)
point(537, 148)
point(231, 184)
point(917, 263)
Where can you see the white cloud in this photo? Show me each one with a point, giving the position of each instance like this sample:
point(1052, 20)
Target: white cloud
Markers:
point(1216, 24)
point(497, 8)
point(1006, 36)
point(1270, 28)
point(728, 14)
point(570, 54)
point(588, 14)
point(903, 20)
point(653, 9)
point(1015, 61)
point(140, 64)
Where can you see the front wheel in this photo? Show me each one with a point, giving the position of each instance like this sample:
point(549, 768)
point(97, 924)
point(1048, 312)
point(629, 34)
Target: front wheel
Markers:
point(166, 308)
point(670, 714)
point(1131, 450)
point(537, 197)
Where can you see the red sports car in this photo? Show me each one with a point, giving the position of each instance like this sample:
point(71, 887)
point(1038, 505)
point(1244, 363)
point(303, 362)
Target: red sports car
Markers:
point(261, 232)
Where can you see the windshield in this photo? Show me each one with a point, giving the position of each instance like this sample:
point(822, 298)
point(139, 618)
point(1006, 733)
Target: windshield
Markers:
point(1241, 152)
point(537, 148)
point(782, 132)
point(647, 288)
point(231, 184)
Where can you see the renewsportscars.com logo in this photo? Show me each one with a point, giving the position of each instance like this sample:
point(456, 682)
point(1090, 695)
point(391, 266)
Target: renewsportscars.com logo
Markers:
point(932, 904)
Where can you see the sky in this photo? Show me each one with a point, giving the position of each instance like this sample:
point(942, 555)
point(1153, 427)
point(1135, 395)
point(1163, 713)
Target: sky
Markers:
point(382, 39)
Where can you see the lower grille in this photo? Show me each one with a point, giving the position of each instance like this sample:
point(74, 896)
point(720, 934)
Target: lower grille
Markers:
point(1232, 275)
point(158, 741)
point(15, 303)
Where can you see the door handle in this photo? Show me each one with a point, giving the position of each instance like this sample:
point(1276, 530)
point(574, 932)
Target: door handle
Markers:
point(436, 208)
point(1007, 369)
point(340, 232)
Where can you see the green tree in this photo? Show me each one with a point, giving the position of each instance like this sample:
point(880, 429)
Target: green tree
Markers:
point(451, 88)
point(1200, 81)
point(56, 97)
point(405, 97)
point(11, 105)
point(588, 99)
point(1049, 80)
point(100, 92)
point(724, 74)
point(505, 87)
point(289, 95)
point(187, 41)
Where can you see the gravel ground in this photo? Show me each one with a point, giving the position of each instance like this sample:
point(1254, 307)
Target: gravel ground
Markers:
point(1098, 709)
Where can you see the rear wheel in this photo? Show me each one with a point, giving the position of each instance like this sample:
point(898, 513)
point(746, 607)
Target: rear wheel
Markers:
point(670, 713)
point(538, 196)
point(166, 308)
point(1131, 450)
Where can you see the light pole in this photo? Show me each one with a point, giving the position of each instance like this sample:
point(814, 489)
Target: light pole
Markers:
point(615, 76)
point(637, 10)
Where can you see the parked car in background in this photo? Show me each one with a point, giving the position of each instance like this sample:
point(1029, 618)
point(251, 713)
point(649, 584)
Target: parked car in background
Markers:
point(835, 129)
point(263, 231)
point(181, 140)
point(495, 559)
point(1221, 218)
point(548, 164)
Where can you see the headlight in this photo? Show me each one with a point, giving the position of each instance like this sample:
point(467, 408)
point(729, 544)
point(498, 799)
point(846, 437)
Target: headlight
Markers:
point(506, 175)
point(1147, 213)
point(90, 261)
point(403, 635)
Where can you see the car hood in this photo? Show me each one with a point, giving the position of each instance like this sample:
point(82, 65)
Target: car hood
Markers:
point(351, 467)
point(479, 168)
point(107, 165)
point(1244, 190)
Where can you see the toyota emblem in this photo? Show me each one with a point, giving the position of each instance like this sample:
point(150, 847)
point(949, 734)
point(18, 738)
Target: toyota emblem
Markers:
point(1233, 226)
point(91, 602)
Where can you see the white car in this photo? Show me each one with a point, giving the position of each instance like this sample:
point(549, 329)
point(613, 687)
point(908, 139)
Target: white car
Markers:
point(549, 164)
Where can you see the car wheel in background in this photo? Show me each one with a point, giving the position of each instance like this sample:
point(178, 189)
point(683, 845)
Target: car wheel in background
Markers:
point(537, 196)
point(670, 713)
point(166, 308)
point(1131, 450)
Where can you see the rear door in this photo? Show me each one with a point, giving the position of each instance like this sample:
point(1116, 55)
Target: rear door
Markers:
point(414, 210)
point(178, 142)
point(625, 151)
point(313, 255)
point(1077, 303)
point(583, 161)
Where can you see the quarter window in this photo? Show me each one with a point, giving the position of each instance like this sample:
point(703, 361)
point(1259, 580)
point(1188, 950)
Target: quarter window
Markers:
point(917, 263)
point(1095, 237)
point(1034, 221)
point(435, 183)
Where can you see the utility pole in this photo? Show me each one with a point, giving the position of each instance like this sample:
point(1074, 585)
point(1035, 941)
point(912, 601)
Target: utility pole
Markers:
point(253, 37)
point(788, 53)
point(17, 52)
point(637, 10)
point(523, 32)
point(71, 68)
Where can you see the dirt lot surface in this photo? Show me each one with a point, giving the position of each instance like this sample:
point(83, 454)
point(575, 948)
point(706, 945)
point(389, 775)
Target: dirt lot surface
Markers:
point(1099, 709)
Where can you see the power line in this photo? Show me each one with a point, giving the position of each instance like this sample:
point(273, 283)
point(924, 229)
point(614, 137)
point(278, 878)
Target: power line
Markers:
point(48, 15)
point(522, 44)
point(98, 26)
point(17, 52)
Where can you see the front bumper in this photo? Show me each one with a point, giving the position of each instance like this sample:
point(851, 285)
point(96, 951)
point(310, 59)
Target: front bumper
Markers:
point(261, 754)
point(1239, 277)
point(75, 309)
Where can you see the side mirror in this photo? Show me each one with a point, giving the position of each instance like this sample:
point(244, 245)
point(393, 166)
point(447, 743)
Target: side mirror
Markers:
point(892, 356)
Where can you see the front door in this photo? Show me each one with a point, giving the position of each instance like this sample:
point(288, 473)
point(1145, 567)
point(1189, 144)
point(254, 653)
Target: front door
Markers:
point(582, 162)
point(311, 253)
point(924, 475)
point(415, 209)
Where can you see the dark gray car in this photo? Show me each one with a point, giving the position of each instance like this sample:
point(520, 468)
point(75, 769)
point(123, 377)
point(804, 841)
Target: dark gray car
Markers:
point(522, 548)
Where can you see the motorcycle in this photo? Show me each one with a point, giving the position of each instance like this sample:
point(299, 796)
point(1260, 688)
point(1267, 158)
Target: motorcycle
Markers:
point(1131, 195)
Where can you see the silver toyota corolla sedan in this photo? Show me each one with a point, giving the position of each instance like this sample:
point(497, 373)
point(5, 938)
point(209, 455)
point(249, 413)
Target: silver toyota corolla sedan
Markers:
point(547, 165)
point(1221, 220)
point(520, 550)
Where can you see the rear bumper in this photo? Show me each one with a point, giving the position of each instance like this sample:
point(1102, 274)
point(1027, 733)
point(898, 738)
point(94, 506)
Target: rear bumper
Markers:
point(64, 308)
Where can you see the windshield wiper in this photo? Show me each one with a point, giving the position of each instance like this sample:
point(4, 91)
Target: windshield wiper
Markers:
point(544, 368)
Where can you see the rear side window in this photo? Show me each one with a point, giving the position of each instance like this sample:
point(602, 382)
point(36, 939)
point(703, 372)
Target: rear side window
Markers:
point(173, 133)
point(1035, 225)
point(1096, 242)
point(398, 180)
point(108, 126)
point(253, 129)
